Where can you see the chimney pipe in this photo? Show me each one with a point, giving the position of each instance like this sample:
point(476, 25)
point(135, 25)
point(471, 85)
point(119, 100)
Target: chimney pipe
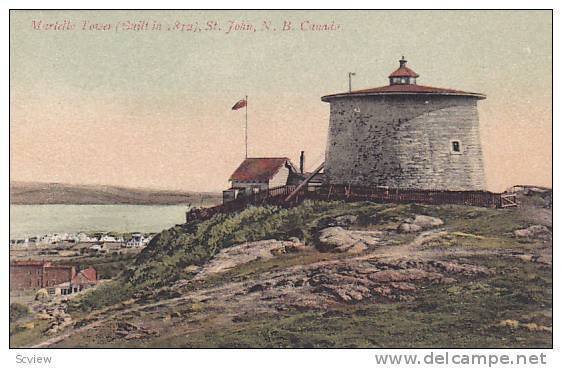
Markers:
point(301, 166)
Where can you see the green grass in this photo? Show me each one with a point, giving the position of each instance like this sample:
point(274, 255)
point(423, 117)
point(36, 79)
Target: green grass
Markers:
point(18, 311)
point(108, 266)
point(104, 295)
point(471, 241)
point(257, 267)
point(195, 243)
point(21, 337)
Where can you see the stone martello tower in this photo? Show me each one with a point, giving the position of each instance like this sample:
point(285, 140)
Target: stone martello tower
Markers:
point(405, 135)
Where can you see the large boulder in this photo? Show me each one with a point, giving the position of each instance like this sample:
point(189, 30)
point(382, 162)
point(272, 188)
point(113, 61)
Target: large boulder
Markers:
point(237, 255)
point(345, 220)
point(418, 223)
point(409, 228)
point(337, 239)
point(42, 295)
point(426, 222)
point(28, 326)
point(534, 231)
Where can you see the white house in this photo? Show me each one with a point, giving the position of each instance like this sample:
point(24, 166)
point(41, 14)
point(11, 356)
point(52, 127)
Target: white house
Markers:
point(97, 247)
point(138, 240)
point(108, 239)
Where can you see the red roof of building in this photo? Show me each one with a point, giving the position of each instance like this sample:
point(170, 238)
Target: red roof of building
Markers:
point(404, 89)
point(258, 169)
point(403, 71)
point(411, 88)
point(88, 275)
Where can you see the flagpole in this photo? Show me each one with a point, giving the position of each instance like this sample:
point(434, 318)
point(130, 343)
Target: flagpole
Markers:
point(246, 131)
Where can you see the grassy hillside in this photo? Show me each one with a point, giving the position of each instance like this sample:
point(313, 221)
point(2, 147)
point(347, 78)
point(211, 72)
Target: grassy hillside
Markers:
point(194, 244)
point(55, 193)
point(470, 282)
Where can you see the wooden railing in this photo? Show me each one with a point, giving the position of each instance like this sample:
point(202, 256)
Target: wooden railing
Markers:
point(349, 193)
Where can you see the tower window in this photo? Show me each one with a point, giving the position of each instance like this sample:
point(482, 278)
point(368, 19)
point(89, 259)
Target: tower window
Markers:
point(456, 147)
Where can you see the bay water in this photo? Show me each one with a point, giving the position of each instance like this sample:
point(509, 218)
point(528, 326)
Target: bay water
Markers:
point(33, 220)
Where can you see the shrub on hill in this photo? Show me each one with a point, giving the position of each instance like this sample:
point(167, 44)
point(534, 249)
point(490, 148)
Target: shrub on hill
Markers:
point(195, 243)
point(18, 311)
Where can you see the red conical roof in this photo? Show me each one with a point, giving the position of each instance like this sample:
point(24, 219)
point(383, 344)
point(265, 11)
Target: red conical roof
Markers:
point(403, 71)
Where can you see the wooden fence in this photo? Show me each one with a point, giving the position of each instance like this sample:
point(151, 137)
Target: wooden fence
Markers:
point(278, 195)
point(388, 195)
point(273, 196)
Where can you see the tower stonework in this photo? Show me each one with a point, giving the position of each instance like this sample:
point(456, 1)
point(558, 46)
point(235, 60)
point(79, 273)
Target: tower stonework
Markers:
point(405, 135)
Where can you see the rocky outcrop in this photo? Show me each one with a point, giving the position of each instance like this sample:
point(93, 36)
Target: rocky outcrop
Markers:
point(237, 255)
point(58, 318)
point(320, 285)
point(343, 221)
point(418, 223)
point(337, 239)
point(532, 327)
point(534, 232)
point(409, 228)
point(129, 331)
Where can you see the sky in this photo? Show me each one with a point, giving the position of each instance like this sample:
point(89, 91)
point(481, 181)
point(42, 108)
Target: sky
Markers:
point(146, 107)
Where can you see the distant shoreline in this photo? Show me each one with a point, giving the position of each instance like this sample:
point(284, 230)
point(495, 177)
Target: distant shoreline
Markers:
point(31, 193)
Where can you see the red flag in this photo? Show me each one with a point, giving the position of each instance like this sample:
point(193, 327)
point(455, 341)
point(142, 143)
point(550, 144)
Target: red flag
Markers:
point(240, 104)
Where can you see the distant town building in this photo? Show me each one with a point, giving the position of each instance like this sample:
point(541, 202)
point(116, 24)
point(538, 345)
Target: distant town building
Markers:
point(82, 280)
point(38, 274)
point(258, 174)
point(84, 238)
point(97, 247)
point(138, 240)
point(108, 239)
point(29, 275)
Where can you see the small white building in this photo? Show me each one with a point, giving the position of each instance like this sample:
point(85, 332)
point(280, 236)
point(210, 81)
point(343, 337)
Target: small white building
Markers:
point(138, 240)
point(50, 239)
point(108, 239)
point(83, 238)
point(97, 247)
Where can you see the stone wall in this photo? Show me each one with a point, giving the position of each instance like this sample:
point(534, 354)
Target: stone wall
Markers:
point(405, 142)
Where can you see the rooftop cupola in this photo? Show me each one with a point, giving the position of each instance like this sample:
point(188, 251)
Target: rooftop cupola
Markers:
point(403, 75)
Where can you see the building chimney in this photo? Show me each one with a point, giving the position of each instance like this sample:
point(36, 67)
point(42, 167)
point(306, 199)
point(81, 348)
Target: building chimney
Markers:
point(301, 165)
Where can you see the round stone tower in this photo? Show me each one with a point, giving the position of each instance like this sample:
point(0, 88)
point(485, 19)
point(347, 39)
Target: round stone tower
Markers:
point(405, 135)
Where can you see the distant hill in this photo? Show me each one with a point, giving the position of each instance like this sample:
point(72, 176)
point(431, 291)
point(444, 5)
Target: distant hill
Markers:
point(55, 193)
